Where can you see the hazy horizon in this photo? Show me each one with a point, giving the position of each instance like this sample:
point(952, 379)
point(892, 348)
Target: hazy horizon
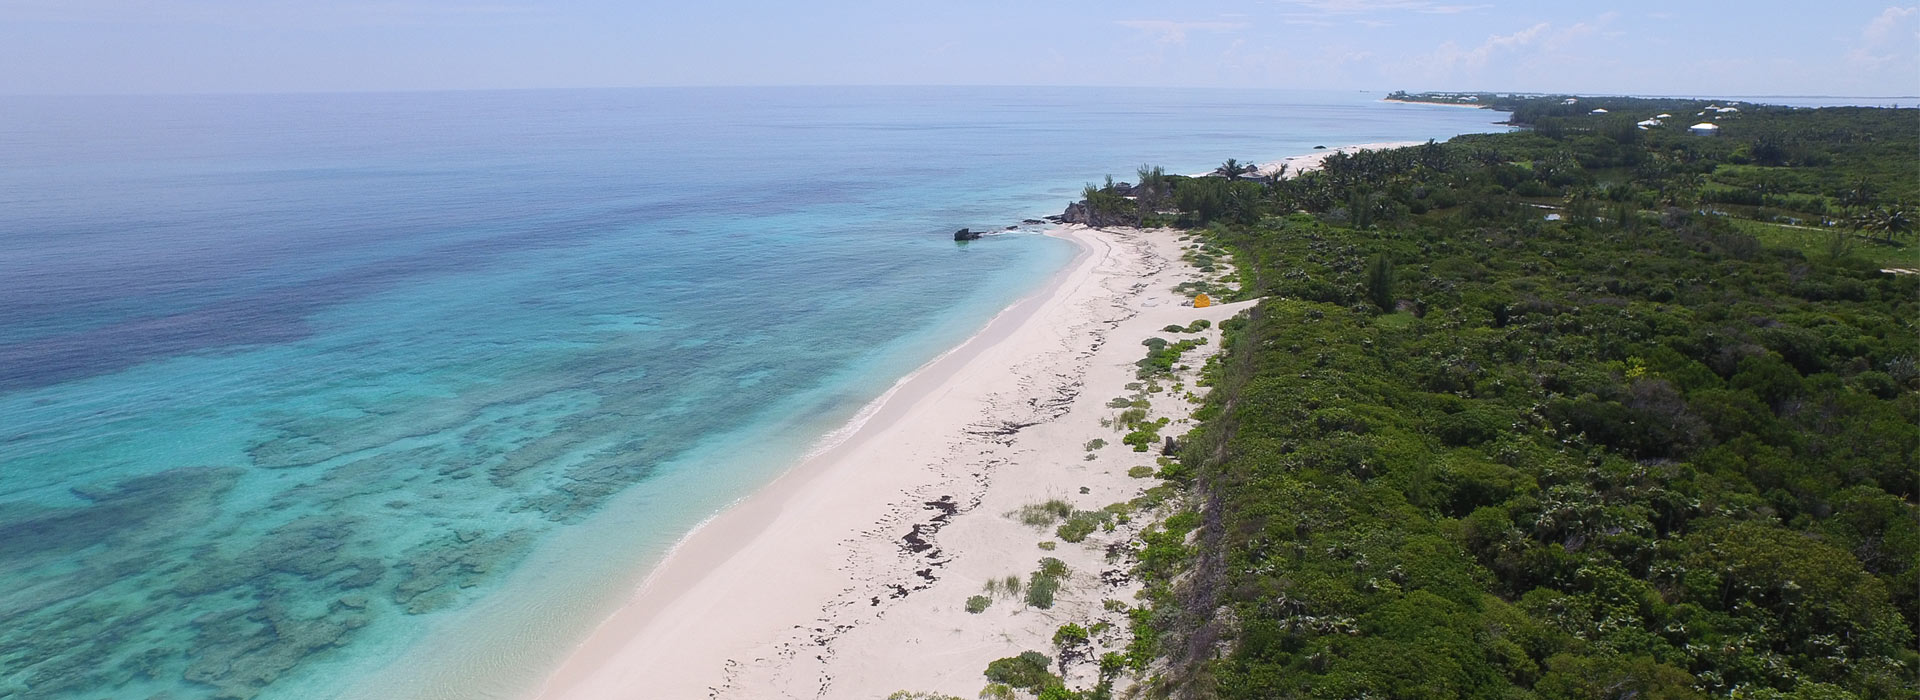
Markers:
point(89, 47)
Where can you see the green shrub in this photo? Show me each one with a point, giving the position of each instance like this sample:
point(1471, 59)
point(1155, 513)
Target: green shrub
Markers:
point(1173, 328)
point(1041, 590)
point(1069, 638)
point(1140, 472)
point(1046, 582)
point(1198, 326)
point(1048, 545)
point(1081, 524)
point(1095, 444)
point(1028, 671)
point(1055, 691)
point(1141, 440)
point(1044, 514)
point(1053, 568)
point(978, 604)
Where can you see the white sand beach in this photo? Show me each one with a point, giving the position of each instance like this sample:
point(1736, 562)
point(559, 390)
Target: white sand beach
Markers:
point(848, 576)
point(1296, 165)
point(811, 587)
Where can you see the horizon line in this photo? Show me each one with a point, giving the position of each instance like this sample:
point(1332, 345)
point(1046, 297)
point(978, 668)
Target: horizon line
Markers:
point(744, 86)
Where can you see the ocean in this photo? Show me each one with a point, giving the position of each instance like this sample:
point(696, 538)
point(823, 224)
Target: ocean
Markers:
point(396, 395)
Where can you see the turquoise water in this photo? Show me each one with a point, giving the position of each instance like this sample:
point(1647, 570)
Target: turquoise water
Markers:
point(395, 395)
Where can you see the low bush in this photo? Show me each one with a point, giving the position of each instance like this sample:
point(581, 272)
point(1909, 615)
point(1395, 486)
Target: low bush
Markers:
point(1028, 671)
point(1041, 590)
point(1081, 524)
point(1046, 582)
point(1044, 514)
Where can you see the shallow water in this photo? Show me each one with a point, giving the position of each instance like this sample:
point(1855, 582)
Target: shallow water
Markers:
point(288, 384)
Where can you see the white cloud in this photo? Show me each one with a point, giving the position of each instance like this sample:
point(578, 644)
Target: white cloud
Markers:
point(1886, 37)
point(1496, 44)
point(1172, 32)
point(1449, 55)
point(1354, 7)
point(1882, 27)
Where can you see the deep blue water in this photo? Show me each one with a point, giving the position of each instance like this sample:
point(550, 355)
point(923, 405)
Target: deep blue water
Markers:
point(288, 383)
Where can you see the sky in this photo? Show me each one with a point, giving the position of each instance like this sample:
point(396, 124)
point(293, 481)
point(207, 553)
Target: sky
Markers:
point(1669, 47)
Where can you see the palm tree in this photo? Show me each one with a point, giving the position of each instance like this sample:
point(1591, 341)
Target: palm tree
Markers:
point(1151, 191)
point(1887, 221)
point(1860, 194)
point(1273, 179)
point(1233, 169)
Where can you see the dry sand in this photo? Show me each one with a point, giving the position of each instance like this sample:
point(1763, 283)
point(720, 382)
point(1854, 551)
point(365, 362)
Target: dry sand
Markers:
point(848, 576)
point(1295, 165)
point(1311, 161)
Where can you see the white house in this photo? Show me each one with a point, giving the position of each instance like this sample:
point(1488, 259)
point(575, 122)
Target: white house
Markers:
point(1704, 129)
point(1662, 116)
point(1648, 123)
point(1598, 111)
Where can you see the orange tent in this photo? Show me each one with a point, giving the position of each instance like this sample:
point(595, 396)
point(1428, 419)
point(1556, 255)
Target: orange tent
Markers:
point(1202, 301)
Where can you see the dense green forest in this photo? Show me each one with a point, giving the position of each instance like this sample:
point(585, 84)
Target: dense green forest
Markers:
point(1580, 411)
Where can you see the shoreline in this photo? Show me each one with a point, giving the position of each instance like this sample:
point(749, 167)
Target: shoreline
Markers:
point(814, 584)
point(1295, 165)
point(847, 575)
point(1437, 104)
point(686, 564)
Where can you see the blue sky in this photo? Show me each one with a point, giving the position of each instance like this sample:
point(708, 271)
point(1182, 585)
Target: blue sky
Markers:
point(1759, 47)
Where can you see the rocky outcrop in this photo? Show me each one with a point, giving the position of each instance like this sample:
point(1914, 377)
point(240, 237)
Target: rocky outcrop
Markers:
point(1084, 214)
point(967, 235)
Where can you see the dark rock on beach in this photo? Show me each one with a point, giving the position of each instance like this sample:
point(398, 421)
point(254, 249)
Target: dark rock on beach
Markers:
point(1082, 213)
point(966, 235)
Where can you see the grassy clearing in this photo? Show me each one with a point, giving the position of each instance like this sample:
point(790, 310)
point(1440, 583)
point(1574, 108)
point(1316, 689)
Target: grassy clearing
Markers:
point(1813, 243)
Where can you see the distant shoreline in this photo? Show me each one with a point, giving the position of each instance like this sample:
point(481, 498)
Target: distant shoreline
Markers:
point(1435, 102)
